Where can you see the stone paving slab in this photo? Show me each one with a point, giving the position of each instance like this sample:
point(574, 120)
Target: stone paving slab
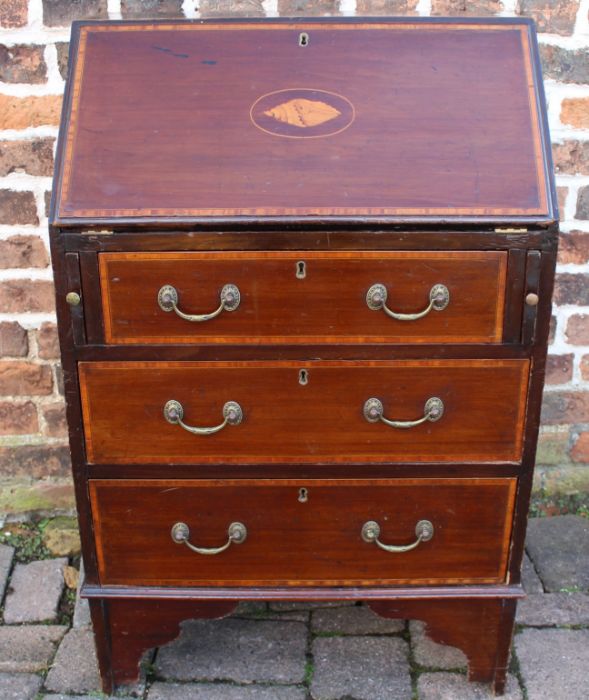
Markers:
point(431, 654)
point(553, 609)
point(75, 668)
point(35, 591)
point(6, 556)
point(29, 648)
point(455, 686)
point(19, 686)
point(223, 691)
point(362, 668)
point(82, 607)
point(238, 650)
point(356, 620)
point(288, 606)
point(553, 663)
point(530, 579)
point(559, 548)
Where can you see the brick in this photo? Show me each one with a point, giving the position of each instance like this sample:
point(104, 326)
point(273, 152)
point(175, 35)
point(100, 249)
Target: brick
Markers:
point(583, 203)
point(571, 157)
point(63, 49)
point(353, 620)
point(571, 289)
point(584, 365)
point(478, 8)
point(580, 449)
point(34, 157)
point(14, 341)
point(22, 252)
point(553, 447)
point(23, 497)
point(60, 13)
point(573, 247)
point(19, 686)
point(18, 418)
point(35, 590)
point(561, 194)
point(374, 668)
point(35, 461)
point(431, 654)
point(27, 296)
point(553, 663)
point(452, 686)
point(29, 648)
point(553, 609)
point(35, 110)
point(559, 369)
point(20, 378)
point(242, 651)
point(18, 207)
point(575, 112)
point(564, 407)
point(6, 557)
point(552, 330)
point(14, 13)
point(22, 64)
point(48, 341)
point(140, 9)
point(577, 330)
point(373, 8)
point(231, 8)
point(321, 8)
point(54, 417)
point(75, 669)
point(551, 16)
point(564, 65)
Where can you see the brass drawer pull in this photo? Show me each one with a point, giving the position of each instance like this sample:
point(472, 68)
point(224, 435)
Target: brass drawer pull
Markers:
point(174, 412)
point(376, 297)
point(237, 533)
point(167, 298)
point(424, 531)
point(433, 411)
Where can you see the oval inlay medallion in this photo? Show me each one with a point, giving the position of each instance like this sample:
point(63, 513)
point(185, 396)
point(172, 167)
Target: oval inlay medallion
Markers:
point(302, 113)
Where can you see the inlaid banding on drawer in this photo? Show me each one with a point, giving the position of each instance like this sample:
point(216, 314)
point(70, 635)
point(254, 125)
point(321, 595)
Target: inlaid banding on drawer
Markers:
point(293, 542)
point(261, 412)
point(303, 297)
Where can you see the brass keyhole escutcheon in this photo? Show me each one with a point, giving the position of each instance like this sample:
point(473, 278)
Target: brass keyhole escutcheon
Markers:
point(301, 270)
point(303, 495)
point(303, 39)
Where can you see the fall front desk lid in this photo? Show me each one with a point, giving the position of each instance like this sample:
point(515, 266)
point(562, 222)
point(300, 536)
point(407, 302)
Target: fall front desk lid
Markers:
point(393, 121)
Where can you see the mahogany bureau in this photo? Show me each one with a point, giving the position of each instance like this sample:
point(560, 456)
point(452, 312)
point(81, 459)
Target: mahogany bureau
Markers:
point(303, 274)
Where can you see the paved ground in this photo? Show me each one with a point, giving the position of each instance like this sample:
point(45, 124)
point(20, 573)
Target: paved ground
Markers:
point(291, 651)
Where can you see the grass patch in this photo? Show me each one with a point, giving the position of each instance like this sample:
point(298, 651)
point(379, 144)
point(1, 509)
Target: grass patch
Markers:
point(27, 540)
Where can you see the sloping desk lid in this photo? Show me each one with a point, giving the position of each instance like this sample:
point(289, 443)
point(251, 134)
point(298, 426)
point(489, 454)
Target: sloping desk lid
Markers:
point(396, 121)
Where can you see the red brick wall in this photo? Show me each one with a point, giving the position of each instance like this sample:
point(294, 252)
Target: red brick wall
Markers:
point(33, 65)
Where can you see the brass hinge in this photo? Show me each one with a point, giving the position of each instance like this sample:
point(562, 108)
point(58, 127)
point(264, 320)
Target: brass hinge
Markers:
point(510, 230)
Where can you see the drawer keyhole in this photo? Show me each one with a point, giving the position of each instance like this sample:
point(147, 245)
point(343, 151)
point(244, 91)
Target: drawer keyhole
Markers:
point(303, 495)
point(303, 377)
point(303, 39)
point(301, 272)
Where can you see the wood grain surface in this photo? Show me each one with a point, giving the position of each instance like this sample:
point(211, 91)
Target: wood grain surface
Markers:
point(327, 305)
point(196, 146)
point(321, 421)
point(290, 542)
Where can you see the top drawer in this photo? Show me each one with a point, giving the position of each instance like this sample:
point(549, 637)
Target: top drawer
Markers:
point(303, 297)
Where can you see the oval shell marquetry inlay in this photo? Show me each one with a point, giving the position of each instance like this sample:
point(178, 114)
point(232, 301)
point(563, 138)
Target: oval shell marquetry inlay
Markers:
point(302, 113)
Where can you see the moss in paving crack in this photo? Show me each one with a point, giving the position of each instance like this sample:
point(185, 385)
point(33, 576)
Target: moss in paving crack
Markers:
point(27, 540)
point(309, 671)
point(65, 611)
point(515, 669)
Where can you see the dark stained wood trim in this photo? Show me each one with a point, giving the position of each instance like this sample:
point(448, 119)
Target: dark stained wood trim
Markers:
point(514, 296)
point(72, 267)
point(532, 286)
point(92, 297)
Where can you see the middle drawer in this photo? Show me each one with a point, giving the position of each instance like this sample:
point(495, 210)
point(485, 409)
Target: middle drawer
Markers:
point(310, 412)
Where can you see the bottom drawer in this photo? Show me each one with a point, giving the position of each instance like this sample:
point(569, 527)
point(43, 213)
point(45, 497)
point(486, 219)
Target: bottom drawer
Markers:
point(298, 532)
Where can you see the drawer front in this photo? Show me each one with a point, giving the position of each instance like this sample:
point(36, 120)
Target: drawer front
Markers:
point(295, 537)
point(307, 412)
point(303, 297)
